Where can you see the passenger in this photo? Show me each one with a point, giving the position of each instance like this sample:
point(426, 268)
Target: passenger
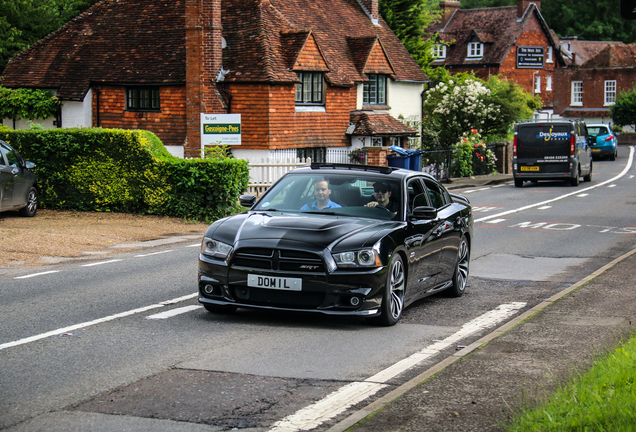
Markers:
point(321, 192)
point(382, 195)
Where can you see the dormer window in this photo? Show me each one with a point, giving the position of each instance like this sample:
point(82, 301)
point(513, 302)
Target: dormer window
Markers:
point(475, 49)
point(310, 89)
point(374, 92)
point(438, 51)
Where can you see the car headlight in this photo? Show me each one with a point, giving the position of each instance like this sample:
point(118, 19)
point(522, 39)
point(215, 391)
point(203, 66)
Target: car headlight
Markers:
point(215, 248)
point(361, 258)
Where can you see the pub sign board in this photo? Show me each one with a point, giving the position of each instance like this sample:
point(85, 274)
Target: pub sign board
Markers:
point(220, 129)
point(530, 57)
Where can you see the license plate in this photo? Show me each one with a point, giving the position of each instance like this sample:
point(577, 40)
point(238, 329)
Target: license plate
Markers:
point(596, 150)
point(529, 168)
point(278, 283)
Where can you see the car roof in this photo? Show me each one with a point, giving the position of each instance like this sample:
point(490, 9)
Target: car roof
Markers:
point(354, 169)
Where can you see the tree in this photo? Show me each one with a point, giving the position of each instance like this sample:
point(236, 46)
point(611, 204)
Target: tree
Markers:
point(409, 19)
point(623, 112)
point(28, 104)
point(456, 104)
point(24, 22)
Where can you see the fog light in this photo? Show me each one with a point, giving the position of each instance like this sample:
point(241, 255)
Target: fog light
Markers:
point(355, 301)
point(208, 289)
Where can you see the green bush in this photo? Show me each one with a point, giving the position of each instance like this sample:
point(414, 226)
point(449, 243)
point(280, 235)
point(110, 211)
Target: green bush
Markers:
point(127, 171)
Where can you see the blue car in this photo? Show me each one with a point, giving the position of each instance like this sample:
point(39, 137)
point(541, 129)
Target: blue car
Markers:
point(603, 141)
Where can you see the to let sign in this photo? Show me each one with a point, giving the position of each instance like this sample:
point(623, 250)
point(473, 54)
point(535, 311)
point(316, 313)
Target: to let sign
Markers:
point(220, 129)
point(530, 57)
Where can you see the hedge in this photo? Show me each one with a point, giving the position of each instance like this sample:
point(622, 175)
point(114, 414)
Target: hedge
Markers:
point(114, 170)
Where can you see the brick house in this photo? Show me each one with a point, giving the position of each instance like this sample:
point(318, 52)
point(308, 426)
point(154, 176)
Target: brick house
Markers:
point(305, 76)
point(512, 41)
point(589, 86)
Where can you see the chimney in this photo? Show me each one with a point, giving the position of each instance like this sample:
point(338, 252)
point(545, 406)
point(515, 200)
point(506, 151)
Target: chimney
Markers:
point(371, 6)
point(203, 62)
point(522, 6)
point(448, 8)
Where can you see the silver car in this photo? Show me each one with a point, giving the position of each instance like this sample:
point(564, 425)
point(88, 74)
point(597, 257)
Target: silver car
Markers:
point(18, 184)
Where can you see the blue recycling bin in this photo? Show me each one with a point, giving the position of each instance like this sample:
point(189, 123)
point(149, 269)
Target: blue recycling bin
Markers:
point(415, 161)
point(399, 161)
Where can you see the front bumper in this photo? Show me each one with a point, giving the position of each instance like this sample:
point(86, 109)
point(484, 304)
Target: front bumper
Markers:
point(355, 292)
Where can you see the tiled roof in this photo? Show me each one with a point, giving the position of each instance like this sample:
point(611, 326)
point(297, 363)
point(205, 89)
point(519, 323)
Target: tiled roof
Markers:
point(614, 55)
point(125, 41)
point(367, 123)
point(342, 30)
point(137, 42)
point(582, 51)
point(496, 27)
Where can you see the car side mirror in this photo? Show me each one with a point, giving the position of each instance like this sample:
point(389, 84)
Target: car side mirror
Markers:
point(424, 212)
point(29, 165)
point(247, 200)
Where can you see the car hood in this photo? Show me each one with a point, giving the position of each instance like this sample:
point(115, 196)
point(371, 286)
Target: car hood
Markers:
point(316, 231)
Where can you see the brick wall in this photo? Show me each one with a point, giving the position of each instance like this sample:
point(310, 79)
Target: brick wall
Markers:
point(593, 85)
point(169, 124)
point(269, 119)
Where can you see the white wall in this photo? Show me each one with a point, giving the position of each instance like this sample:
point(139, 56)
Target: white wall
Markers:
point(78, 114)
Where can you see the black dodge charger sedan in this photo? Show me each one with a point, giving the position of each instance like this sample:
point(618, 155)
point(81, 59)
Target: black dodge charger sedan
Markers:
point(339, 239)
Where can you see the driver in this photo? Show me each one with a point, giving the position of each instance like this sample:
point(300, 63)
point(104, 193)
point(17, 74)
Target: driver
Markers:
point(321, 192)
point(382, 196)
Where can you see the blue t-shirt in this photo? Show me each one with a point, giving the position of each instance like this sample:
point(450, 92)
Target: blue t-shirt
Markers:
point(330, 204)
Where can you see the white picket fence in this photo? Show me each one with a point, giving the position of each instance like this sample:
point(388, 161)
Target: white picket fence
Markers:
point(265, 171)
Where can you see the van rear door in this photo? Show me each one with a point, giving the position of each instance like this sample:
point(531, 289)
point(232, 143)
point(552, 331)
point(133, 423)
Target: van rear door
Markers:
point(546, 147)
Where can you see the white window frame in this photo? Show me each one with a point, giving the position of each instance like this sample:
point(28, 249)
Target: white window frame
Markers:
point(548, 57)
point(576, 94)
point(610, 93)
point(548, 83)
point(438, 51)
point(475, 50)
point(537, 84)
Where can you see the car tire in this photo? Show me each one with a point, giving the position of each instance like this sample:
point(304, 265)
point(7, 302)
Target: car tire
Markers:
point(614, 155)
point(219, 309)
point(574, 181)
point(393, 297)
point(588, 177)
point(518, 183)
point(460, 276)
point(31, 207)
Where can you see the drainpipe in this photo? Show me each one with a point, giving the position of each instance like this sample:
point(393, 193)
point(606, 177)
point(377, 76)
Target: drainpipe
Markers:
point(96, 91)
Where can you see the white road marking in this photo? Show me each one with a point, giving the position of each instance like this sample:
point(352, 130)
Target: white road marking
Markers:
point(582, 195)
point(339, 401)
point(544, 207)
point(72, 328)
point(174, 312)
point(520, 209)
point(153, 253)
point(101, 262)
point(612, 185)
point(195, 245)
point(36, 274)
point(494, 221)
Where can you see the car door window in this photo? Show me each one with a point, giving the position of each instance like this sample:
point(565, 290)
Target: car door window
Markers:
point(436, 195)
point(417, 194)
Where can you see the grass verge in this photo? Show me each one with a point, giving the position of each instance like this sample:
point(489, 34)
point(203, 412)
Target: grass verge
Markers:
point(603, 399)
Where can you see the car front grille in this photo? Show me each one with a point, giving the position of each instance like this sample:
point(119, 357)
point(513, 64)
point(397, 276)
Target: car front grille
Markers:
point(278, 259)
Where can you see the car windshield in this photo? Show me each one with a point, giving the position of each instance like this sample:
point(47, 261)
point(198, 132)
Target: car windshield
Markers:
point(601, 130)
point(357, 195)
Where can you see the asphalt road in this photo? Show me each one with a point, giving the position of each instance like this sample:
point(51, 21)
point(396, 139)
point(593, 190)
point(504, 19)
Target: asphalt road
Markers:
point(121, 344)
